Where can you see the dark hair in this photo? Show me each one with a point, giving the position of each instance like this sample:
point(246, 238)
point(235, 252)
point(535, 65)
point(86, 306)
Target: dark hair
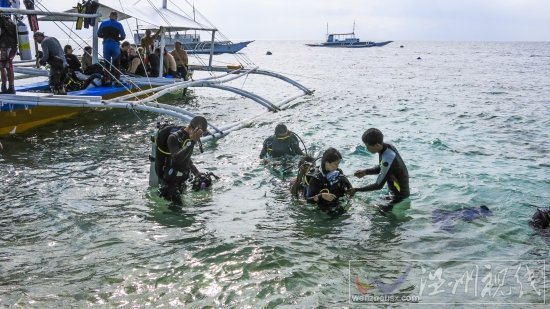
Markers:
point(305, 159)
point(113, 13)
point(280, 129)
point(125, 43)
point(373, 136)
point(157, 50)
point(67, 47)
point(541, 219)
point(37, 34)
point(88, 49)
point(330, 155)
point(199, 121)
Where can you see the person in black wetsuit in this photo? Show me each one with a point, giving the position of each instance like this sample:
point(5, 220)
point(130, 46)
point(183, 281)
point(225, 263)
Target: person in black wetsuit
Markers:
point(327, 184)
point(176, 166)
point(391, 169)
point(282, 143)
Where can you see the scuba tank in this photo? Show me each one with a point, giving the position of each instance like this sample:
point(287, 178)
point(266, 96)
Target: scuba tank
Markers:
point(159, 151)
point(23, 39)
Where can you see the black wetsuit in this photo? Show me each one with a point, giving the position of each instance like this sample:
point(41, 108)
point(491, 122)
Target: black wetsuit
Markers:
point(334, 182)
point(391, 170)
point(280, 146)
point(177, 166)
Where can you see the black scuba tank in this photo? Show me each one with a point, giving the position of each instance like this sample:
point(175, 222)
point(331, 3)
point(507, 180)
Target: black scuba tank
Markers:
point(159, 151)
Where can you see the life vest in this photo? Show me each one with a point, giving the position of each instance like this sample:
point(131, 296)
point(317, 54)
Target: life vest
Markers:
point(280, 146)
point(334, 182)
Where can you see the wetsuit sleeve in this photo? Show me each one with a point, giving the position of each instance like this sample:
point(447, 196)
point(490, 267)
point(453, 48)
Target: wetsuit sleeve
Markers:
point(385, 165)
point(263, 153)
point(296, 146)
point(346, 183)
point(122, 34)
point(100, 30)
point(373, 170)
point(45, 52)
point(179, 155)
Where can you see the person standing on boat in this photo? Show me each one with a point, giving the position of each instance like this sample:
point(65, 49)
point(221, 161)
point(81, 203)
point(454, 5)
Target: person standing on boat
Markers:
point(282, 143)
point(148, 41)
point(176, 164)
point(52, 53)
point(112, 33)
point(391, 169)
point(182, 60)
point(8, 49)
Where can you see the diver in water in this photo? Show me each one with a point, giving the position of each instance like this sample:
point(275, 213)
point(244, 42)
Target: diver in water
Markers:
point(298, 186)
point(173, 160)
point(448, 218)
point(540, 219)
point(284, 142)
point(391, 169)
point(327, 184)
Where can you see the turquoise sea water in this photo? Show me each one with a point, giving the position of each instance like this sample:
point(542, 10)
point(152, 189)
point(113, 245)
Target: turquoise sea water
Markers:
point(79, 225)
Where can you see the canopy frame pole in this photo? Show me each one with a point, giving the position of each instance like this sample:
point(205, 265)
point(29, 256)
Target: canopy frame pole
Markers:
point(212, 48)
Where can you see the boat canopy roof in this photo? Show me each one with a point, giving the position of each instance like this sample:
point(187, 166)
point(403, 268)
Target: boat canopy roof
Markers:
point(148, 13)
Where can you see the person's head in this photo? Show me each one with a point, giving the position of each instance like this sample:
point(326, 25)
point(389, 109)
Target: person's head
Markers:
point(38, 36)
point(157, 51)
point(147, 33)
point(281, 131)
point(330, 160)
point(177, 45)
point(198, 122)
point(125, 45)
point(374, 140)
point(68, 49)
point(113, 15)
point(540, 219)
point(88, 50)
point(131, 52)
point(141, 51)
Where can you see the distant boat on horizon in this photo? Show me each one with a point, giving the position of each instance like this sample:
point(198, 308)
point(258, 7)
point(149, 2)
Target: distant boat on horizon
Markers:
point(347, 40)
point(193, 45)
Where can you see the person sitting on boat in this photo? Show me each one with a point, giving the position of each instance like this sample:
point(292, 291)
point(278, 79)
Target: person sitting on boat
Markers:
point(175, 165)
point(112, 33)
point(169, 64)
point(86, 58)
point(124, 56)
point(327, 184)
point(284, 142)
point(148, 41)
point(153, 61)
point(391, 169)
point(52, 53)
point(8, 49)
point(182, 60)
point(137, 62)
point(72, 59)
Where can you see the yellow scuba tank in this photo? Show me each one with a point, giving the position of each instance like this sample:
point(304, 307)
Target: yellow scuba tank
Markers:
point(23, 39)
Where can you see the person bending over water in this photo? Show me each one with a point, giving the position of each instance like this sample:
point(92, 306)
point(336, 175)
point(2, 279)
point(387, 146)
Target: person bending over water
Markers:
point(328, 184)
point(391, 169)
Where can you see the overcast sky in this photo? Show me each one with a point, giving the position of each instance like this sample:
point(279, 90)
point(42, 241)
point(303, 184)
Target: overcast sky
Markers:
point(438, 20)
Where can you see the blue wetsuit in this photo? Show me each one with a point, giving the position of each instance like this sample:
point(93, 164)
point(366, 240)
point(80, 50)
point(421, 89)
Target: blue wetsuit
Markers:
point(112, 33)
